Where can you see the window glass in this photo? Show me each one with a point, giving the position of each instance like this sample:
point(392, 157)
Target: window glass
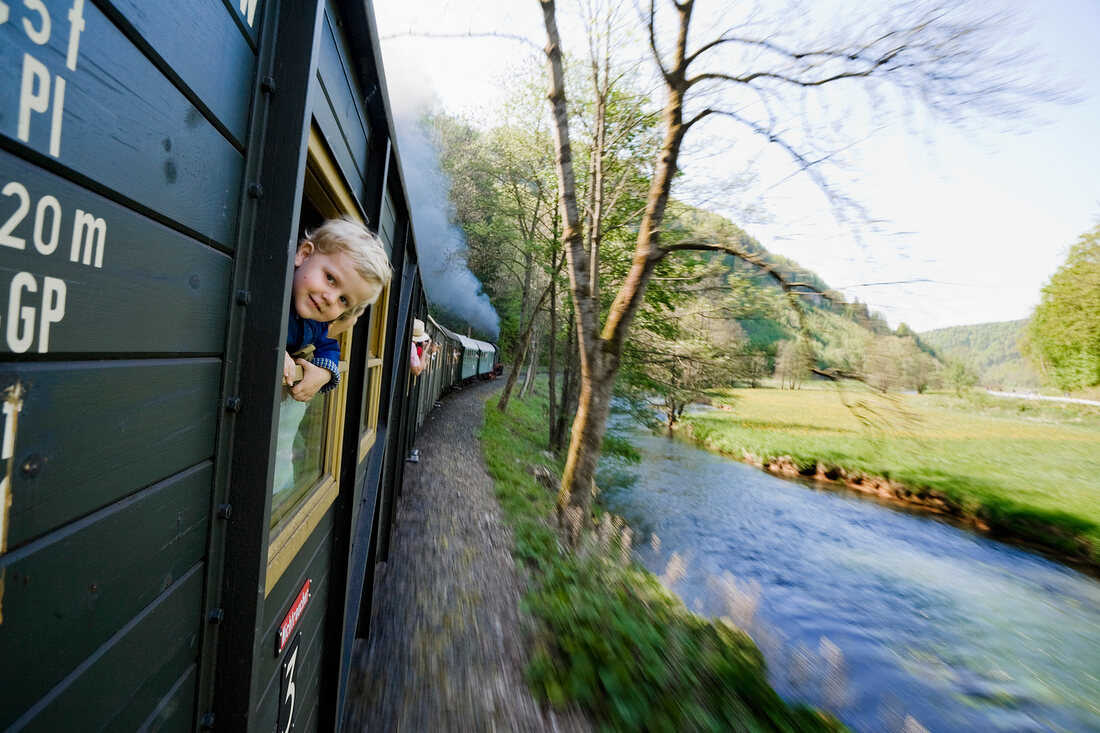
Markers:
point(300, 453)
point(373, 377)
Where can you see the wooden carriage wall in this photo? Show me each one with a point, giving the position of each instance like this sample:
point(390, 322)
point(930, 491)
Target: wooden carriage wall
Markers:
point(159, 160)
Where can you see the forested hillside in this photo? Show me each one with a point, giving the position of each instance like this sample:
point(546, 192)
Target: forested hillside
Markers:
point(990, 348)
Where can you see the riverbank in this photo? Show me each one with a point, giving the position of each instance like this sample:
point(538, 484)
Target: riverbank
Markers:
point(1023, 471)
point(608, 637)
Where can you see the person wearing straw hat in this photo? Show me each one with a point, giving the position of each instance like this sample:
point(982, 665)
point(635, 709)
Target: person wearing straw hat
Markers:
point(419, 358)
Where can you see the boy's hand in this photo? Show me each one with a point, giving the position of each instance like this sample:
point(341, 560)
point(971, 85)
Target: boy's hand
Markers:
point(315, 378)
point(288, 369)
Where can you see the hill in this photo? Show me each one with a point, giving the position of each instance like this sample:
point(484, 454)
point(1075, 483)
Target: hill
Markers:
point(991, 348)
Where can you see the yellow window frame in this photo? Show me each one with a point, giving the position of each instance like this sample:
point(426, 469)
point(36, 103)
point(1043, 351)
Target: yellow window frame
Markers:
point(376, 347)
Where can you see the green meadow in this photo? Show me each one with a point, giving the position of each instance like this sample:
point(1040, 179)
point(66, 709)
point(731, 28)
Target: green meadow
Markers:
point(1030, 470)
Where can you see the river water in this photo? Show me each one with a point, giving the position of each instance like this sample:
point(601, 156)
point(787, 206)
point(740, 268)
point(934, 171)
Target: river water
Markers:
point(891, 620)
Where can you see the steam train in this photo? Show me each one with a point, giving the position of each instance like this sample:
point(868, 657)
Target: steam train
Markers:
point(179, 551)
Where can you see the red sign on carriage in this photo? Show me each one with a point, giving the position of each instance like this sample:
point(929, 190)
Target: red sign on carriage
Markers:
point(293, 616)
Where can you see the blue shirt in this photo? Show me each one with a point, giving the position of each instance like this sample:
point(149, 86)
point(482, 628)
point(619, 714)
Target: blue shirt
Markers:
point(303, 332)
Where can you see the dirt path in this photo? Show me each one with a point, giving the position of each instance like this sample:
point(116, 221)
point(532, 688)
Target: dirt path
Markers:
point(446, 650)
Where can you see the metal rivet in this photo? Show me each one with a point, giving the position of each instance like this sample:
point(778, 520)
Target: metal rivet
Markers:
point(233, 404)
point(267, 84)
point(255, 190)
point(225, 511)
point(32, 465)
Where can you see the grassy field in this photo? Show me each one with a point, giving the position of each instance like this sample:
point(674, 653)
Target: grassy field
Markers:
point(1030, 470)
point(606, 635)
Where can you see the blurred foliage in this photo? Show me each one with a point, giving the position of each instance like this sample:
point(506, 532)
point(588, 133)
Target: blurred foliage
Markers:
point(502, 192)
point(960, 375)
point(607, 636)
point(615, 445)
point(686, 343)
point(1064, 334)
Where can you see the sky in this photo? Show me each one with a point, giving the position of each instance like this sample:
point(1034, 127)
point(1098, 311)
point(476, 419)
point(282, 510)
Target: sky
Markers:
point(971, 224)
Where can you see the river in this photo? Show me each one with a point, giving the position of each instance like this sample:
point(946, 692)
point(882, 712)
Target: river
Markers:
point(891, 620)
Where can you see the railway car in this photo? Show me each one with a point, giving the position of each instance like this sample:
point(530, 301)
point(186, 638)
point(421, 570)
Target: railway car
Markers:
point(450, 354)
point(486, 358)
point(469, 358)
point(182, 547)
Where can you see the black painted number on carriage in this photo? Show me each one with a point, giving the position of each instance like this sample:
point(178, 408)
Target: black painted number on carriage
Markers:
point(288, 685)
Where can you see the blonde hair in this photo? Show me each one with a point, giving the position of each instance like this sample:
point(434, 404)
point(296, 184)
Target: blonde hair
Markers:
point(361, 245)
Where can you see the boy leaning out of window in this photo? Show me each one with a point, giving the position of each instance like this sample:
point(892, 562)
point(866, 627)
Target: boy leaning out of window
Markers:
point(340, 268)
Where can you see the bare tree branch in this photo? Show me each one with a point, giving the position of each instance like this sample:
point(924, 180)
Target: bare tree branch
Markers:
point(469, 34)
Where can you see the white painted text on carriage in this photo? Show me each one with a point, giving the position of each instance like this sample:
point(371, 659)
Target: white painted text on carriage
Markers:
point(248, 10)
point(36, 302)
point(87, 232)
point(41, 92)
point(38, 25)
point(33, 308)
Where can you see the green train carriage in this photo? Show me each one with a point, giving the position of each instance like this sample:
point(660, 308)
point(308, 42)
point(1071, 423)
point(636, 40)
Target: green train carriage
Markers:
point(160, 567)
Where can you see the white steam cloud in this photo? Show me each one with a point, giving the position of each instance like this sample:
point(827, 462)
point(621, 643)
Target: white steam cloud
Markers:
point(440, 244)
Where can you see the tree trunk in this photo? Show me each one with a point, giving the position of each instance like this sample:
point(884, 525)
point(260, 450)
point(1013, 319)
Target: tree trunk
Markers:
point(532, 366)
point(566, 405)
point(510, 383)
point(601, 349)
point(552, 417)
point(589, 427)
point(524, 344)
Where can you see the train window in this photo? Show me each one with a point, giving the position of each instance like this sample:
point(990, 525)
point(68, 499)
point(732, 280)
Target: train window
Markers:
point(376, 340)
point(376, 343)
point(309, 433)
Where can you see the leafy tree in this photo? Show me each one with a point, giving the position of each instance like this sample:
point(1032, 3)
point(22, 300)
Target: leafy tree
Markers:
point(694, 349)
point(918, 368)
point(959, 375)
point(1063, 337)
point(892, 363)
point(752, 366)
point(505, 202)
point(882, 363)
point(493, 229)
point(926, 50)
point(793, 362)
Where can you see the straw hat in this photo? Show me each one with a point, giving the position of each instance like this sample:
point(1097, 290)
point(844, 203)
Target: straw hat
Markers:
point(418, 331)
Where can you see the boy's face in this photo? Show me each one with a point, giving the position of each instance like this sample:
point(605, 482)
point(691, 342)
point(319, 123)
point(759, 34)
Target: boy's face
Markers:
point(326, 285)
